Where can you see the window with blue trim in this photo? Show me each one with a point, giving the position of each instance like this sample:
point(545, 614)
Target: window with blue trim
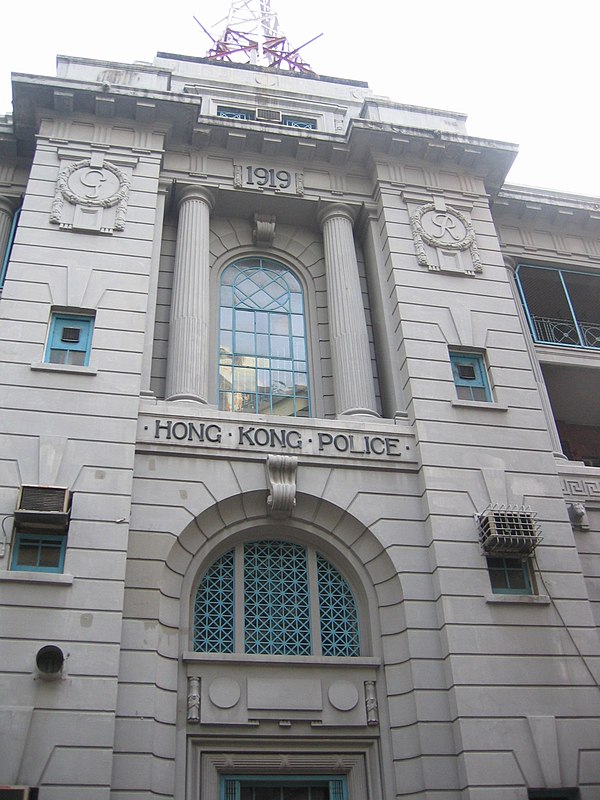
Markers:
point(229, 112)
point(6, 255)
point(561, 305)
point(263, 359)
point(69, 340)
point(470, 378)
point(39, 551)
point(268, 787)
point(299, 122)
point(269, 585)
point(509, 575)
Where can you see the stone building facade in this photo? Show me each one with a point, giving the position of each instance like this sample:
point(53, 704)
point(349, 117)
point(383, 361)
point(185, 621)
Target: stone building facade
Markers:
point(300, 462)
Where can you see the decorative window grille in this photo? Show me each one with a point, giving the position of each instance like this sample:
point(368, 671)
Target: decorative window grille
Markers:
point(235, 113)
point(508, 529)
point(69, 340)
point(273, 597)
point(263, 365)
point(561, 306)
point(299, 122)
point(470, 379)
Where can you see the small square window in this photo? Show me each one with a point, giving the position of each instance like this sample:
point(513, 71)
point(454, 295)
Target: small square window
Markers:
point(510, 575)
point(70, 340)
point(470, 378)
point(39, 552)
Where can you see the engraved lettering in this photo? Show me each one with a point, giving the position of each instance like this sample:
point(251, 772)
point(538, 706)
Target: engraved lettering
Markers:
point(296, 442)
point(179, 431)
point(324, 440)
point(246, 435)
point(162, 426)
point(213, 434)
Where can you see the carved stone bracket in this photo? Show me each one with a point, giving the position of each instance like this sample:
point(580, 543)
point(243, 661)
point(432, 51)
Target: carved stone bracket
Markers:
point(193, 699)
point(96, 194)
point(371, 703)
point(578, 517)
point(263, 229)
point(441, 234)
point(281, 477)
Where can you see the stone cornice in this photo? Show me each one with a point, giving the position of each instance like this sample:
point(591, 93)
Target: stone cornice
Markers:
point(543, 205)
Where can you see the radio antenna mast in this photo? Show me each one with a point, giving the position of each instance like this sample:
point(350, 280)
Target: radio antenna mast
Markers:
point(252, 36)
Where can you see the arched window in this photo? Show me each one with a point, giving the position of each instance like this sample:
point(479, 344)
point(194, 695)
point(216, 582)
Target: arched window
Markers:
point(292, 602)
point(262, 340)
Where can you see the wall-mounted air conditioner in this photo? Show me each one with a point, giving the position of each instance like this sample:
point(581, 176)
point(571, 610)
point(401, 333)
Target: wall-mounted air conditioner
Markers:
point(43, 505)
point(512, 530)
point(267, 115)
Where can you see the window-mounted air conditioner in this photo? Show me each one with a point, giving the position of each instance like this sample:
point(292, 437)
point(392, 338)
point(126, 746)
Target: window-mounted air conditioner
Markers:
point(508, 529)
point(267, 115)
point(18, 793)
point(44, 505)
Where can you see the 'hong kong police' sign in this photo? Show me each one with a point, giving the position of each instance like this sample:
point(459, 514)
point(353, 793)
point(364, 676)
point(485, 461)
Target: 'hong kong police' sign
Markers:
point(279, 439)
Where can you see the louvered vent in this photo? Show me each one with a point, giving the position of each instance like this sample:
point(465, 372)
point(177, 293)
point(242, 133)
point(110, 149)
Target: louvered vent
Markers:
point(268, 115)
point(508, 529)
point(46, 505)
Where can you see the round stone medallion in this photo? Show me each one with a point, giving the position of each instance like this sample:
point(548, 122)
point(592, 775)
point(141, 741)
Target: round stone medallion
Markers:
point(224, 692)
point(343, 695)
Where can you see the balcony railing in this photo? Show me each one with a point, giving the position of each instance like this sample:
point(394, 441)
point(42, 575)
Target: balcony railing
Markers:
point(566, 332)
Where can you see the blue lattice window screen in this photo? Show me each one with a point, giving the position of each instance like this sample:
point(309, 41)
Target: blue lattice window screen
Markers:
point(214, 608)
point(274, 599)
point(263, 364)
point(338, 614)
point(277, 599)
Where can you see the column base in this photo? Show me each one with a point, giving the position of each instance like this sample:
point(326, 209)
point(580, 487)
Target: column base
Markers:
point(187, 397)
point(359, 412)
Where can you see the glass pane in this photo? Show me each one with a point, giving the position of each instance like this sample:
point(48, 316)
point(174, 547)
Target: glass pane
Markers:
point(479, 393)
point(296, 304)
point(262, 344)
point(50, 554)
point(548, 307)
point(225, 401)
point(264, 404)
point(76, 357)
point(280, 347)
point(58, 356)
point(299, 348)
point(214, 608)
point(280, 324)
point(27, 555)
point(262, 321)
point(244, 343)
point(297, 325)
point(244, 321)
point(226, 342)
point(226, 318)
point(283, 405)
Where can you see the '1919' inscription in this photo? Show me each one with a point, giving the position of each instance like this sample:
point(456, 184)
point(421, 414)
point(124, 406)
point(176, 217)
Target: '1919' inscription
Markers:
point(250, 176)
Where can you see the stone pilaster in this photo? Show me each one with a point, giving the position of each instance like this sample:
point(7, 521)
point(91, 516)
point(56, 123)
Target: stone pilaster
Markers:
point(188, 356)
point(350, 352)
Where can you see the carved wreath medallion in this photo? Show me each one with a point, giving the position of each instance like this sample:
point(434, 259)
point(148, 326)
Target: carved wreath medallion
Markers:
point(446, 230)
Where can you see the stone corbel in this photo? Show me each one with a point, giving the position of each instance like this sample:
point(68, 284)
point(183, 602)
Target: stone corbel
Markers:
point(263, 229)
point(281, 477)
point(578, 517)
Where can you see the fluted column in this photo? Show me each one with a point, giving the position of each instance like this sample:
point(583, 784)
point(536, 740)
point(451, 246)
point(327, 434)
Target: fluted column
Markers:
point(188, 356)
point(350, 352)
point(6, 218)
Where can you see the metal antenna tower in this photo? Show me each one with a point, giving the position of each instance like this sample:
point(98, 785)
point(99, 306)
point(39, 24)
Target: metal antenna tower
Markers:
point(252, 36)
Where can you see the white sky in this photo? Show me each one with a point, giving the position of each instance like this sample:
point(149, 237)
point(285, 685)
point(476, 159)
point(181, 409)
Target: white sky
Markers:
point(525, 71)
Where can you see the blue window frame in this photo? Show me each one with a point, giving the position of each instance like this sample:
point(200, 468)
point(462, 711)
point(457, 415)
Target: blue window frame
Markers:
point(69, 340)
point(39, 552)
point(299, 122)
point(509, 575)
point(560, 305)
point(271, 787)
point(229, 112)
point(6, 255)
point(269, 584)
point(263, 360)
point(470, 378)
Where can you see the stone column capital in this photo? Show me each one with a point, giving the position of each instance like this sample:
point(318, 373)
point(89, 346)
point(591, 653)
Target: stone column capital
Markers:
point(195, 193)
point(330, 211)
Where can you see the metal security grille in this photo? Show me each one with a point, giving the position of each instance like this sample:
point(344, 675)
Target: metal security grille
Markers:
point(214, 608)
point(277, 599)
point(272, 594)
point(505, 529)
point(262, 340)
point(339, 622)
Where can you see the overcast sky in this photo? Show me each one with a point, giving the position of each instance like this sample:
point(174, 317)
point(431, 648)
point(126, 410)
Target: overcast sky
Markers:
point(525, 71)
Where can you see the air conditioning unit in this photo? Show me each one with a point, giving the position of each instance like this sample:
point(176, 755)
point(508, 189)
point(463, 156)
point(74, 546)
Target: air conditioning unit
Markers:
point(268, 115)
point(44, 505)
point(18, 792)
point(511, 530)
